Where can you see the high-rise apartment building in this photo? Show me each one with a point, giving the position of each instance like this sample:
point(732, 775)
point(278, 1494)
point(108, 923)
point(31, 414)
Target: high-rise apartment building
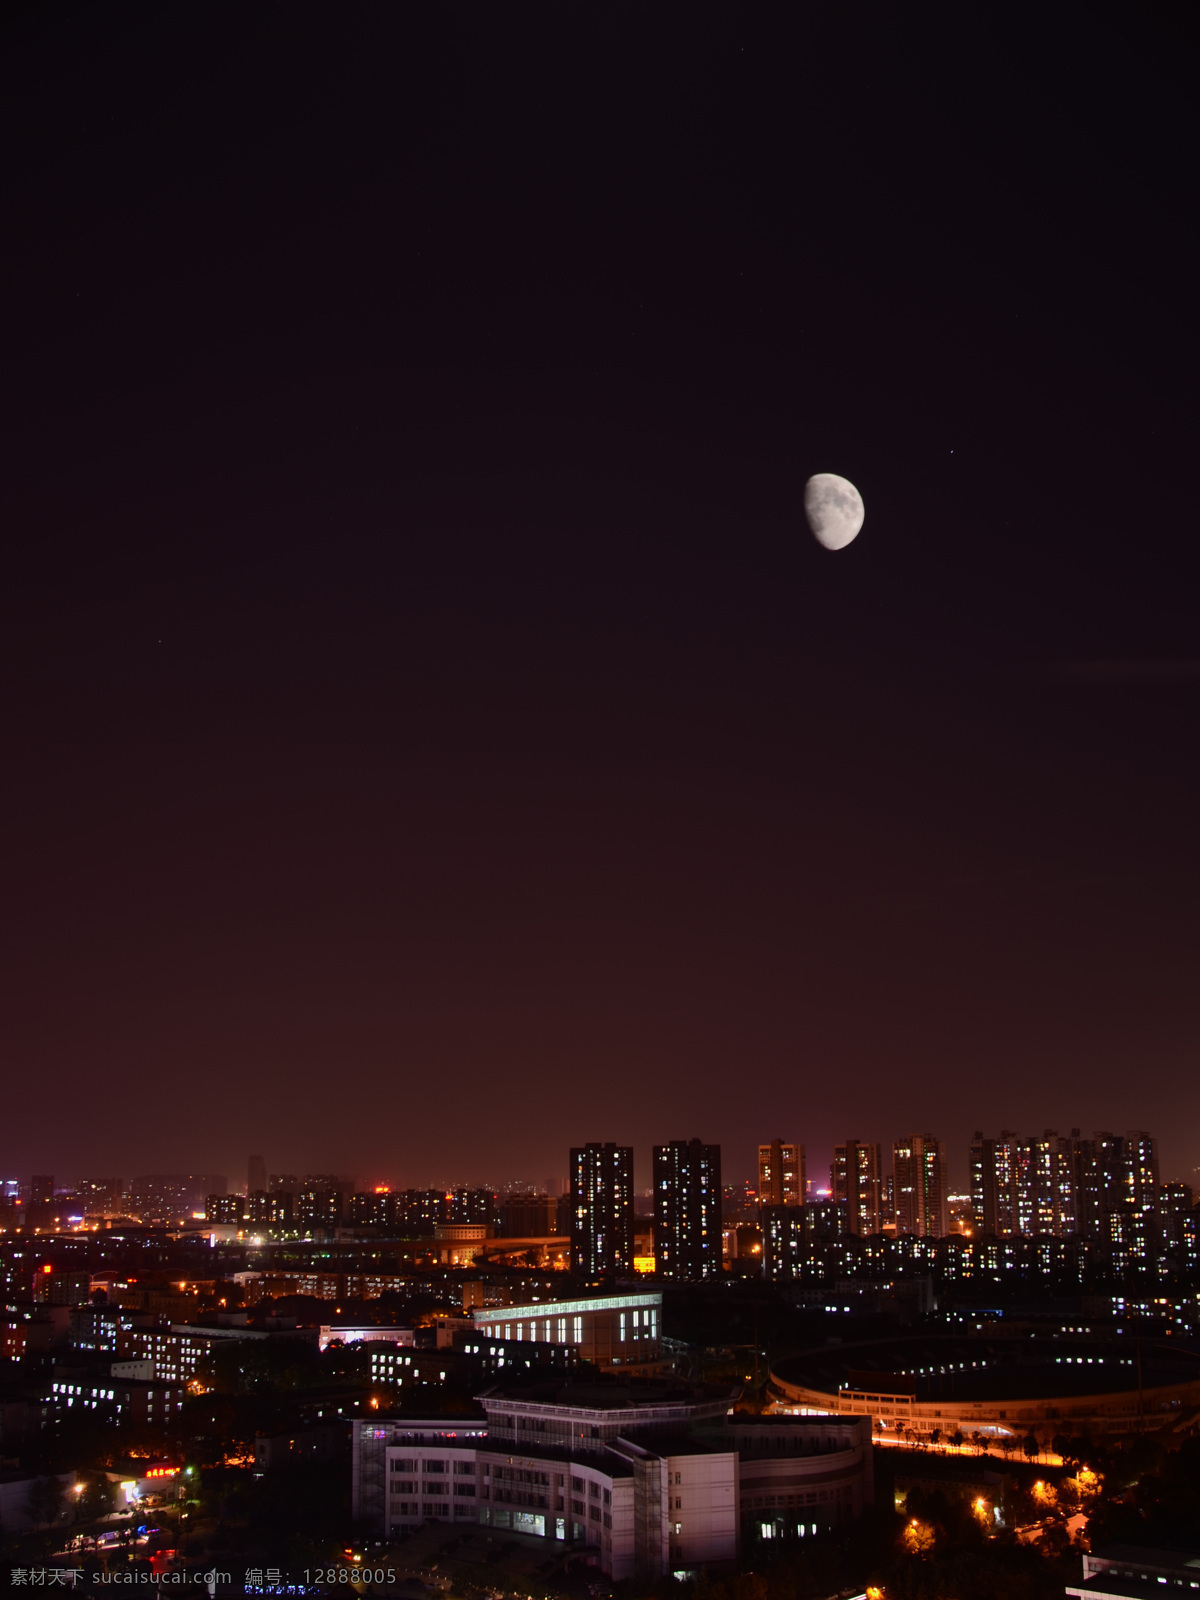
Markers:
point(993, 1168)
point(321, 1208)
point(172, 1197)
point(887, 1201)
point(1046, 1187)
point(602, 1210)
point(471, 1205)
point(781, 1174)
point(373, 1210)
point(1104, 1188)
point(269, 1210)
point(1024, 1187)
point(1140, 1177)
point(920, 1187)
point(1176, 1203)
point(1098, 1163)
point(1179, 1224)
point(256, 1174)
point(225, 1208)
point(100, 1196)
point(687, 1210)
point(528, 1215)
point(418, 1211)
point(799, 1241)
point(856, 1179)
point(1135, 1233)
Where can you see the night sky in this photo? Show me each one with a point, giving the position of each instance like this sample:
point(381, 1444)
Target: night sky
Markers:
point(431, 737)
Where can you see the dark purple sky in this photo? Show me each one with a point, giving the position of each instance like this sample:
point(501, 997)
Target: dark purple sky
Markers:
point(431, 736)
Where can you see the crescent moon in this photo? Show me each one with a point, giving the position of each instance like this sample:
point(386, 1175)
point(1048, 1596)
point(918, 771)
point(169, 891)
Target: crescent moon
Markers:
point(834, 509)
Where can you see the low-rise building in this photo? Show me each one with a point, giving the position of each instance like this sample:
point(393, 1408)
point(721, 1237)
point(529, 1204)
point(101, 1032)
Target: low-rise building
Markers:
point(174, 1353)
point(322, 1442)
point(1131, 1572)
point(620, 1331)
point(472, 1356)
point(456, 1244)
point(124, 1401)
point(97, 1328)
point(353, 1333)
point(651, 1477)
point(32, 1329)
point(54, 1287)
point(507, 1357)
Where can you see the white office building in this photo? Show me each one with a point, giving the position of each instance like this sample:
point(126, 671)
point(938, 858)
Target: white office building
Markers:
point(650, 1477)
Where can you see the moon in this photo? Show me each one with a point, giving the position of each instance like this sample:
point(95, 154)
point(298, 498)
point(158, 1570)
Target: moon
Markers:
point(834, 509)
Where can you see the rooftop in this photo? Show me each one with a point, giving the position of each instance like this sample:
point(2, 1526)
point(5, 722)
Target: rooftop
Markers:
point(1145, 1557)
point(1112, 1586)
point(990, 1368)
point(571, 1308)
point(617, 1394)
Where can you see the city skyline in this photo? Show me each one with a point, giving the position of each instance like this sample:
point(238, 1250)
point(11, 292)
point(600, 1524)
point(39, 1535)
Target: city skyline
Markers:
point(882, 1160)
point(1178, 1159)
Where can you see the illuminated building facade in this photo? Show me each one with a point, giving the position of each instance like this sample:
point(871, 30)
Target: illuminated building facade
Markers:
point(472, 1205)
point(119, 1400)
point(1046, 1186)
point(225, 1208)
point(993, 1184)
point(268, 1209)
point(320, 1208)
point(100, 1197)
point(174, 1353)
point(376, 1209)
point(1177, 1221)
point(172, 1197)
point(800, 1242)
point(920, 1186)
point(415, 1213)
point(602, 1210)
point(781, 1174)
point(687, 1210)
point(97, 1328)
point(612, 1331)
point(1104, 1188)
point(856, 1179)
point(58, 1288)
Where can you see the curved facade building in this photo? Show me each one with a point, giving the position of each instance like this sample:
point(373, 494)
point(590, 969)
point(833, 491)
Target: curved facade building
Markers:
point(651, 1478)
point(997, 1387)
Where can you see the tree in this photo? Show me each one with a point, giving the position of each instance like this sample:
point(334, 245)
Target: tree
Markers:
point(212, 1427)
point(95, 1499)
point(45, 1501)
point(918, 1537)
